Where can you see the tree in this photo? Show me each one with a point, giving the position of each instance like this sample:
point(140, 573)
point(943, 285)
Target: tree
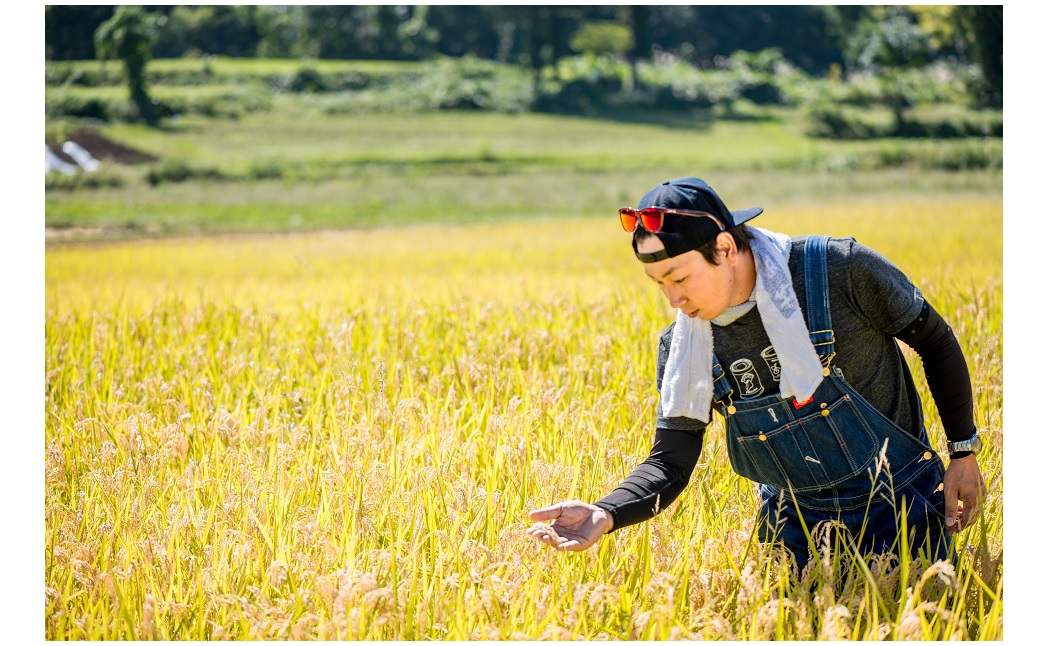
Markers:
point(639, 17)
point(69, 30)
point(522, 33)
point(220, 30)
point(381, 32)
point(886, 42)
point(464, 29)
point(602, 38)
point(982, 26)
point(128, 36)
point(283, 31)
point(705, 34)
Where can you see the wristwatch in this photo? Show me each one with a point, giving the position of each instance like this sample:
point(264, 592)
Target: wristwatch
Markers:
point(972, 445)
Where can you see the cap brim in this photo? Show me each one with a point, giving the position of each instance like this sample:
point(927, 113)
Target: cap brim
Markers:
point(743, 215)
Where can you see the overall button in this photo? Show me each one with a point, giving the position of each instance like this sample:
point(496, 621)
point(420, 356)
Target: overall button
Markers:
point(825, 413)
point(762, 437)
point(731, 410)
point(927, 455)
point(826, 372)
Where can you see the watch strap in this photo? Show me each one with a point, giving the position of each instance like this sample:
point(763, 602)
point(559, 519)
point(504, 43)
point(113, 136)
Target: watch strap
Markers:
point(971, 445)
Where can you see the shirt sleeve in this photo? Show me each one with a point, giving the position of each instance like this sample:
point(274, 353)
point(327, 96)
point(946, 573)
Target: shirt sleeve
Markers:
point(882, 293)
point(945, 370)
point(893, 304)
point(658, 480)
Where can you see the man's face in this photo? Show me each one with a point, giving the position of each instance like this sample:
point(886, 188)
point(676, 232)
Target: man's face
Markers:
point(692, 284)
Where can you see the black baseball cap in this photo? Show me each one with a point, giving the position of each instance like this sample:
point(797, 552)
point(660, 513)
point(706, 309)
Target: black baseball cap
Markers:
point(682, 233)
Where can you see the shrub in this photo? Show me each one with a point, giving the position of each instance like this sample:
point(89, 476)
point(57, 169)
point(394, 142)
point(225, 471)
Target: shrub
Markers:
point(581, 95)
point(56, 181)
point(178, 171)
point(289, 171)
point(680, 84)
point(706, 89)
point(109, 74)
point(310, 79)
point(446, 84)
point(307, 79)
point(61, 105)
point(761, 74)
point(232, 101)
point(832, 121)
point(475, 84)
point(212, 101)
point(951, 127)
point(266, 170)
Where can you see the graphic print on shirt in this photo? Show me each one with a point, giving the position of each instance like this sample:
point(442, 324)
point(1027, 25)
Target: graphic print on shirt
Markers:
point(769, 356)
point(747, 378)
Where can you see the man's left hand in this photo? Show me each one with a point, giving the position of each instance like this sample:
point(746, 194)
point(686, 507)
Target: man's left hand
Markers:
point(965, 492)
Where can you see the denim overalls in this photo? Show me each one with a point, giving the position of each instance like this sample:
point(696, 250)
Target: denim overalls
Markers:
point(833, 457)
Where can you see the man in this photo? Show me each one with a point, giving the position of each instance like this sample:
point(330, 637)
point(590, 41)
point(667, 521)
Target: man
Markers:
point(793, 343)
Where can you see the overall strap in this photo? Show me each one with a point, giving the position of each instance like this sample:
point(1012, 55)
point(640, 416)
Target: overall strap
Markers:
point(723, 391)
point(817, 298)
point(818, 306)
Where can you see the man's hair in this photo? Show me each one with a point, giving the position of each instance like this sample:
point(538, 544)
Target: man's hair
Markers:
point(740, 233)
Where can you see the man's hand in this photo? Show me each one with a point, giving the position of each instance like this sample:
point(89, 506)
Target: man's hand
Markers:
point(965, 492)
point(576, 526)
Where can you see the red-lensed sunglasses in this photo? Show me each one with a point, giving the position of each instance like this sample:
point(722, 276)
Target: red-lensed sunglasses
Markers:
point(652, 217)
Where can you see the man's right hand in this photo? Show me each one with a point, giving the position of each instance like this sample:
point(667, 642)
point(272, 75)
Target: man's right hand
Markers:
point(576, 526)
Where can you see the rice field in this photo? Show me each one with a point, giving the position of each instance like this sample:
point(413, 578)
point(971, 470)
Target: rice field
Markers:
point(338, 435)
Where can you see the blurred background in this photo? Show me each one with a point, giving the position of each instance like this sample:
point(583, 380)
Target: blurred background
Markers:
point(180, 120)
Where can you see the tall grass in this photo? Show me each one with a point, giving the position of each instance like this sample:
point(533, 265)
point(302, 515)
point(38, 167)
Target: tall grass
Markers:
point(339, 436)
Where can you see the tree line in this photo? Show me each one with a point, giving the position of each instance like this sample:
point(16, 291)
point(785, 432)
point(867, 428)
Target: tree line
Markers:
point(818, 39)
point(812, 37)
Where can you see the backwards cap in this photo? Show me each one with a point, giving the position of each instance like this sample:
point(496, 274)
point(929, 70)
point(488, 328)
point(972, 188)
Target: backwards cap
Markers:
point(682, 233)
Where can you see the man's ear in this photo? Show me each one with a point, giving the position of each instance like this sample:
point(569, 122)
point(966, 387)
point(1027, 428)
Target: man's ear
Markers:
point(726, 245)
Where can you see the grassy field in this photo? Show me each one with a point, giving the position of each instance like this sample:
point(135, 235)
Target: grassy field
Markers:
point(315, 395)
point(298, 169)
point(339, 434)
point(230, 69)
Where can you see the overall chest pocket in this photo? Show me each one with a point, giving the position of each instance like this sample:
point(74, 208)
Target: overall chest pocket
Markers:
point(819, 450)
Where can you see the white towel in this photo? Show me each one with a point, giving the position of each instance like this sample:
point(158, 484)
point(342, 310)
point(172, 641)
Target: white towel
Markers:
point(687, 387)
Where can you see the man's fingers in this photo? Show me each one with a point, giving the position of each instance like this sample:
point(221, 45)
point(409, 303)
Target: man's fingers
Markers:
point(967, 514)
point(546, 535)
point(961, 513)
point(540, 530)
point(563, 526)
point(952, 509)
point(970, 514)
point(551, 512)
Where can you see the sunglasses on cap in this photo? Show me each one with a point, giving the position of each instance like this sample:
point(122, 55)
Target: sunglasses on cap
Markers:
point(652, 217)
